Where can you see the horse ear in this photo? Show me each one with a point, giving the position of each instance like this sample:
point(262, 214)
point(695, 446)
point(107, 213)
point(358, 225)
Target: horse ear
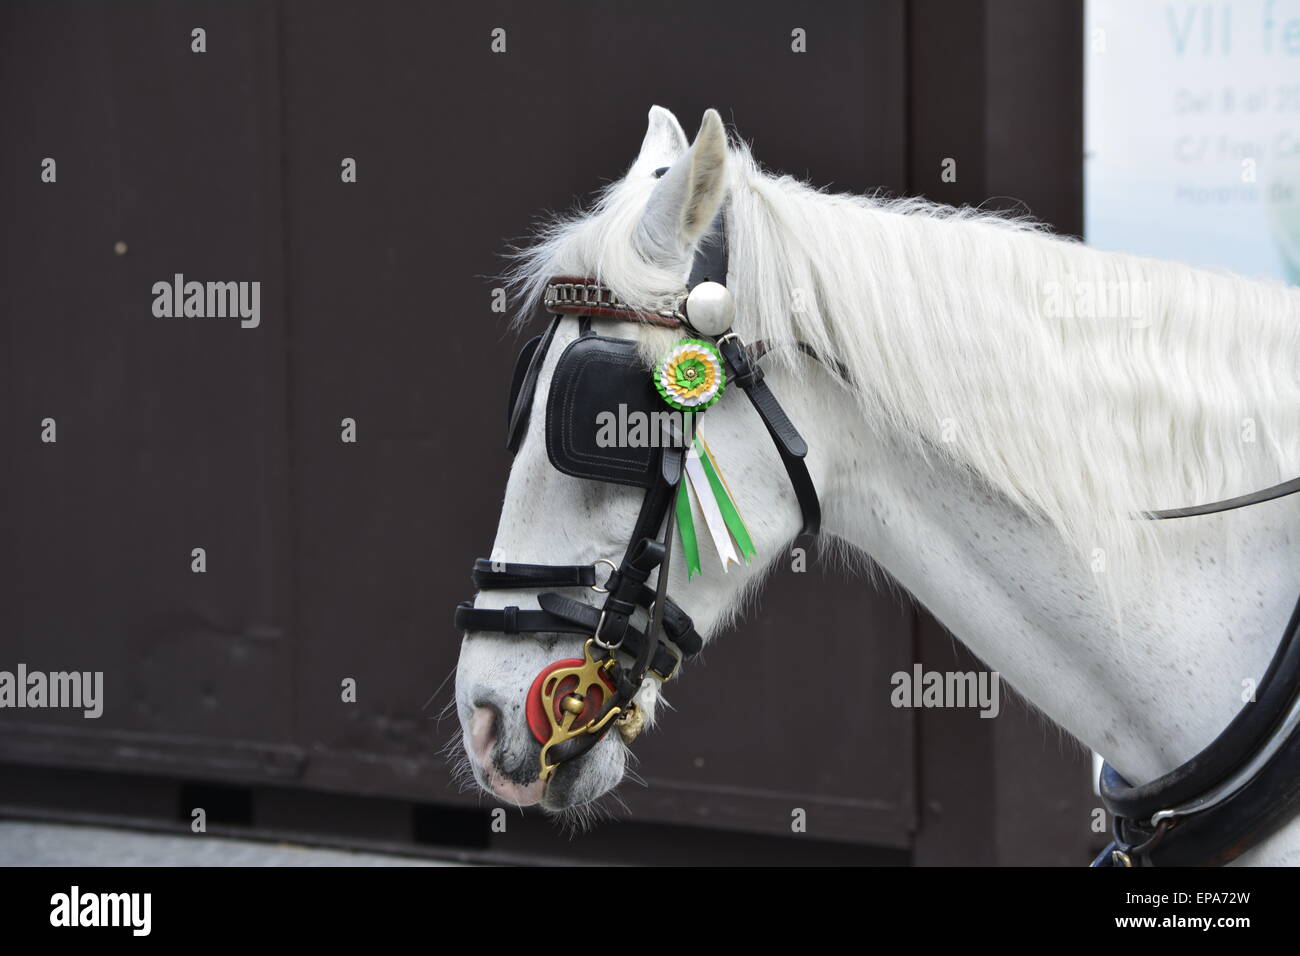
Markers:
point(688, 196)
point(663, 145)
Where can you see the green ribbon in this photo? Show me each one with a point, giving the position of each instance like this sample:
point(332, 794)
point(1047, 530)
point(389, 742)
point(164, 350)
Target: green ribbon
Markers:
point(686, 531)
point(730, 516)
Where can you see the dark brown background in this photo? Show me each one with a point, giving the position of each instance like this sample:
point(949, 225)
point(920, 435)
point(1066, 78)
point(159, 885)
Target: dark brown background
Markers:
point(328, 560)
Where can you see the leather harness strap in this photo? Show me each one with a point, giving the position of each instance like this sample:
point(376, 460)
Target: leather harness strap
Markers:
point(677, 623)
point(712, 264)
point(1228, 504)
point(565, 620)
point(501, 575)
point(524, 387)
point(789, 443)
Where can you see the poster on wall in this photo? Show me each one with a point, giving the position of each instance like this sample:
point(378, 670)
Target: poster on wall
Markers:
point(1192, 132)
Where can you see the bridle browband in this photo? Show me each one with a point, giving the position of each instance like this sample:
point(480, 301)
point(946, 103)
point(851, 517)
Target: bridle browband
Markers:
point(1231, 795)
point(575, 295)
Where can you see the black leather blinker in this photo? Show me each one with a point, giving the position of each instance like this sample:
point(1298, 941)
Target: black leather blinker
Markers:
point(598, 376)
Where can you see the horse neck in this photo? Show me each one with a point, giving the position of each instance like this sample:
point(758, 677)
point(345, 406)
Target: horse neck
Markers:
point(1148, 695)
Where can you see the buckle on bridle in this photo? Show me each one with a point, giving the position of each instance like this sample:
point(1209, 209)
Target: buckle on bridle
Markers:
point(600, 642)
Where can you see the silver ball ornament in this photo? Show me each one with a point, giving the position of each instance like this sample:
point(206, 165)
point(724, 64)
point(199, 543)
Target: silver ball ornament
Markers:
point(709, 308)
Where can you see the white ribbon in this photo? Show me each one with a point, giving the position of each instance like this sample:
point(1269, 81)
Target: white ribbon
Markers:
point(699, 483)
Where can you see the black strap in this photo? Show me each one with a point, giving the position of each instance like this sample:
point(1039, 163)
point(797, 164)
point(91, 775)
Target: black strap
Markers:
point(661, 585)
point(524, 388)
point(789, 443)
point(711, 265)
point(513, 620)
point(568, 616)
point(489, 575)
point(710, 262)
point(507, 575)
point(677, 625)
point(625, 589)
point(654, 506)
point(1228, 504)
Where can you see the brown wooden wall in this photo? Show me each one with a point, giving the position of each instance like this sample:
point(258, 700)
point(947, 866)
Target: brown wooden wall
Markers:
point(329, 560)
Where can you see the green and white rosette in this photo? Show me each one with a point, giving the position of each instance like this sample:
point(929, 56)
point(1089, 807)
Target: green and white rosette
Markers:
point(690, 379)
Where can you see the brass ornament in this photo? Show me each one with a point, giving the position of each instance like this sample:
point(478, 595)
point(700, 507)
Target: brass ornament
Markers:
point(591, 674)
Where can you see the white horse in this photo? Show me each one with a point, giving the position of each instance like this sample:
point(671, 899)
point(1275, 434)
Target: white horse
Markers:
point(1009, 418)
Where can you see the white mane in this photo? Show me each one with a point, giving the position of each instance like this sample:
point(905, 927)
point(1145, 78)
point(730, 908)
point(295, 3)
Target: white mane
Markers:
point(959, 329)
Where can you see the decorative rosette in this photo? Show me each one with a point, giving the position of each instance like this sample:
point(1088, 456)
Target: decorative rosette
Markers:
point(691, 378)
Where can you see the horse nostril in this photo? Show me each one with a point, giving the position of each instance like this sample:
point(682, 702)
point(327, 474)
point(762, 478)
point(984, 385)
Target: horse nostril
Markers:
point(483, 732)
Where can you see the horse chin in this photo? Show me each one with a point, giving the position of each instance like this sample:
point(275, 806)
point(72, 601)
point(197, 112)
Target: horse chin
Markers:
point(585, 779)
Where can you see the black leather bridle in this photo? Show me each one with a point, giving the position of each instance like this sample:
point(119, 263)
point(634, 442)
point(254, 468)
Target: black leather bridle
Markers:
point(669, 635)
point(1230, 796)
